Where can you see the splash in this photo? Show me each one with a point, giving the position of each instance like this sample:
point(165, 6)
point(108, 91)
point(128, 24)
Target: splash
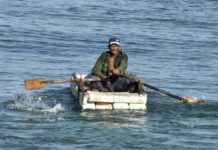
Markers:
point(27, 101)
point(203, 98)
point(56, 108)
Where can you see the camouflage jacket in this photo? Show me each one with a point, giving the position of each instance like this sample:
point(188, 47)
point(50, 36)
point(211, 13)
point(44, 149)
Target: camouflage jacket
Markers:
point(101, 67)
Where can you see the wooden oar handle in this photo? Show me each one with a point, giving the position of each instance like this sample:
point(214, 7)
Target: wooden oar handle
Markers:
point(163, 92)
point(71, 80)
point(56, 81)
point(184, 99)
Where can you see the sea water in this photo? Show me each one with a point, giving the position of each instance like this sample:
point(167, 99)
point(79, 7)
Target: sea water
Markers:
point(170, 44)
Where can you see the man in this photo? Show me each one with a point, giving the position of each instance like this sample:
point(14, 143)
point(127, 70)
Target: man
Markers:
point(111, 67)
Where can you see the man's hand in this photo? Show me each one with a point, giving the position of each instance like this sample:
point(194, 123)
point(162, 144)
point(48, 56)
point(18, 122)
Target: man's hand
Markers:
point(116, 72)
point(104, 78)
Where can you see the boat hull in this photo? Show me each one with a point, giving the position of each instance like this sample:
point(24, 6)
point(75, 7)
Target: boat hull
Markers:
point(96, 100)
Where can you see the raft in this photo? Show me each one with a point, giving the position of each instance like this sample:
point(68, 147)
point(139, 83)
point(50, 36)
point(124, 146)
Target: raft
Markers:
point(95, 100)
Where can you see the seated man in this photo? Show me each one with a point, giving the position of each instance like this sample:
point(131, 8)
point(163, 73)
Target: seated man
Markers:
point(111, 67)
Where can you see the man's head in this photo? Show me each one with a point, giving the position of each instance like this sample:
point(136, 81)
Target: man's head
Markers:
point(114, 45)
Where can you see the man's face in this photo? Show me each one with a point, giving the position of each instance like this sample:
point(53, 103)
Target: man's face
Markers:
point(114, 49)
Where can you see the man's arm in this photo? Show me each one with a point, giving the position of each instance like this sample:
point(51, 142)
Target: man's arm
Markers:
point(97, 69)
point(123, 64)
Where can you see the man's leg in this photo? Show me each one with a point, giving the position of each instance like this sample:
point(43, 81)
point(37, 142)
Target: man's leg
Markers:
point(120, 84)
point(98, 86)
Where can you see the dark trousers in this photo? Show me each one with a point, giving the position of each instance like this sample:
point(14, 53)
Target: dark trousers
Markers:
point(114, 84)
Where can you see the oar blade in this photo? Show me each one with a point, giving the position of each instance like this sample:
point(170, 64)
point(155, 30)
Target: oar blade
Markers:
point(36, 83)
point(190, 100)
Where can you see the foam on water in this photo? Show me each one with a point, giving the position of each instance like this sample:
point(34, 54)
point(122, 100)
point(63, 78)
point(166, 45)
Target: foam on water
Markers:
point(27, 101)
point(58, 107)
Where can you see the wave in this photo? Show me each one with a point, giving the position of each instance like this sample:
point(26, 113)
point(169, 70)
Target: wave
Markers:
point(26, 101)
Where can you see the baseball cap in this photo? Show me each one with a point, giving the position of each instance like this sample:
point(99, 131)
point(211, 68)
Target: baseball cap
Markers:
point(114, 40)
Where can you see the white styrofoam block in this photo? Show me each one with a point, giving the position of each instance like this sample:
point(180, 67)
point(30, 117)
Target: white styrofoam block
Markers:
point(143, 98)
point(103, 106)
point(90, 106)
point(120, 106)
point(106, 98)
point(94, 96)
point(137, 106)
point(117, 97)
point(133, 99)
point(85, 97)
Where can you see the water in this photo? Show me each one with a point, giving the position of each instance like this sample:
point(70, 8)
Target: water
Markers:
point(170, 44)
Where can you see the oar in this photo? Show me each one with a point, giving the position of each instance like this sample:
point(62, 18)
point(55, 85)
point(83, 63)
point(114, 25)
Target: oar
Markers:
point(39, 83)
point(183, 99)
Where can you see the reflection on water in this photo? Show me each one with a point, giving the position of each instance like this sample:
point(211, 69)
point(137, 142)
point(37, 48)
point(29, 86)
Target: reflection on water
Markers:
point(109, 119)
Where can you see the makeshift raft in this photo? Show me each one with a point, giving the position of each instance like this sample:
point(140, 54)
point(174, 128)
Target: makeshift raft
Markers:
point(95, 100)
